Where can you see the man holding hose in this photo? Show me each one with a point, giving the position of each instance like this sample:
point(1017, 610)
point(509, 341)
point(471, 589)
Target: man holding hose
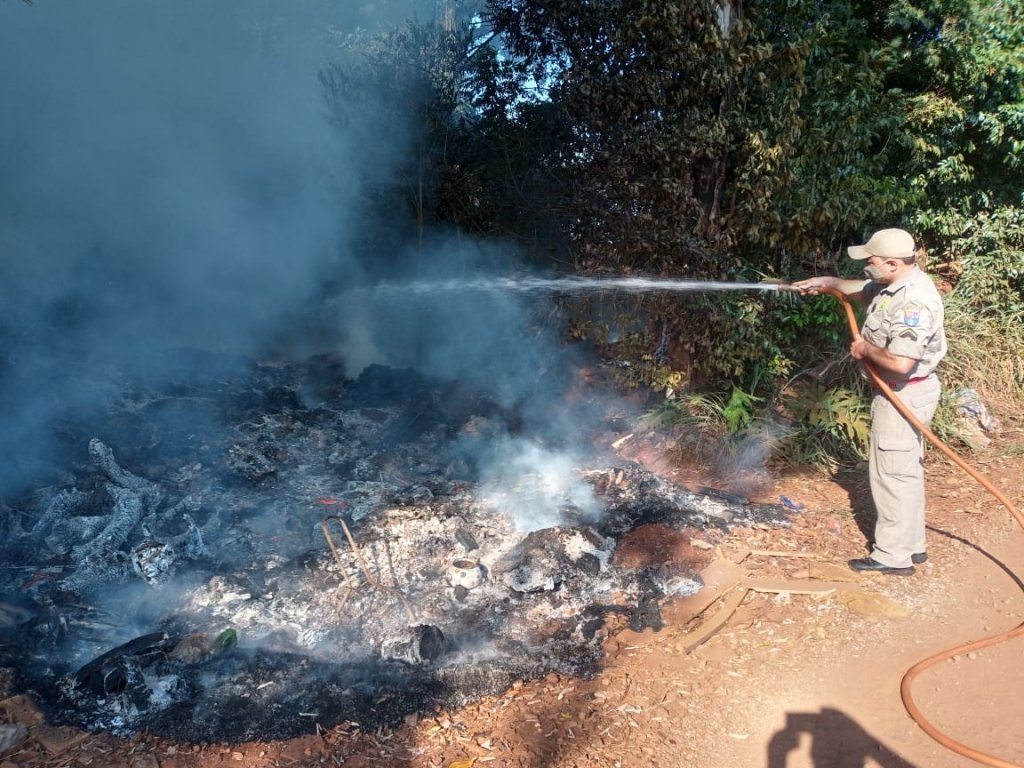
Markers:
point(903, 340)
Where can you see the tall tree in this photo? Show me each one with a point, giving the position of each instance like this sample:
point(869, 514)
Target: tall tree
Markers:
point(645, 86)
point(472, 147)
point(711, 138)
point(962, 65)
point(404, 89)
point(817, 132)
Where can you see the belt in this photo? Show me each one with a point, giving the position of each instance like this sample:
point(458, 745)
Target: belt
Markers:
point(914, 380)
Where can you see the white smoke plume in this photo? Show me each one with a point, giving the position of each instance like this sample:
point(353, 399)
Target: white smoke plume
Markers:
point(170, 176)
point(536, 487)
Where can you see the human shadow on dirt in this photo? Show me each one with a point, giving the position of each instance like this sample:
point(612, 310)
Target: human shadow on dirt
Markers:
point(836, 741)
point(855, 483)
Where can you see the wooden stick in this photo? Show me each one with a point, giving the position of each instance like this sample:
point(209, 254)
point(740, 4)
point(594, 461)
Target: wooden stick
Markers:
point(802, 587)
point(716, 622)
point(785, 553)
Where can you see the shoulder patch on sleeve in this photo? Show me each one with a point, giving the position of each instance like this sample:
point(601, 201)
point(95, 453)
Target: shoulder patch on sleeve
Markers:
point(912, 313)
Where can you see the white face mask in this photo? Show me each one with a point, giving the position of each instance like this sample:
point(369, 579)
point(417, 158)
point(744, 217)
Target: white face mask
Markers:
point(873, 272)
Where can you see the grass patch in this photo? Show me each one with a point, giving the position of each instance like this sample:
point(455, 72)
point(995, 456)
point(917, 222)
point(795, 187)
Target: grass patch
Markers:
point(986, 353)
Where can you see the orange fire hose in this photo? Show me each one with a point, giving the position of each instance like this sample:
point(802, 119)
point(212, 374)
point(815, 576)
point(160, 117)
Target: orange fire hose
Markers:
point(908, 678)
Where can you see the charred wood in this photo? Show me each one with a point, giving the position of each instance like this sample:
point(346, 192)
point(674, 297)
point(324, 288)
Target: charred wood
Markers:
point(61, 506)
point(128, 510)
point(103, 458)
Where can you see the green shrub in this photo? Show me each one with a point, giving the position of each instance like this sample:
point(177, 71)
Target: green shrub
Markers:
point(829, 426)
point(983, 256)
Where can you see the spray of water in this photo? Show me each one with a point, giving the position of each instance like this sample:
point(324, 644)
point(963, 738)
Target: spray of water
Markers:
point(565, 285)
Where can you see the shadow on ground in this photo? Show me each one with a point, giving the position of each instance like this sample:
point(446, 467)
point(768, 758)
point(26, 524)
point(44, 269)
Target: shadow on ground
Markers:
point(830, 739)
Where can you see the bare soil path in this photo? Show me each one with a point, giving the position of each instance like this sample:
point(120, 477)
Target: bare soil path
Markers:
point(790, 680)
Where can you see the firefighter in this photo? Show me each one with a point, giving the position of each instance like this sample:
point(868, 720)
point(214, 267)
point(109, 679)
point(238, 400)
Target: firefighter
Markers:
point(903, 339)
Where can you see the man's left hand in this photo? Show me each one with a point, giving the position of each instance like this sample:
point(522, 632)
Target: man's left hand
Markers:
point(859, 349)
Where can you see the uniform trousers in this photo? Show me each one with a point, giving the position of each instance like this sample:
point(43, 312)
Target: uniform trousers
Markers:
point(896, 471)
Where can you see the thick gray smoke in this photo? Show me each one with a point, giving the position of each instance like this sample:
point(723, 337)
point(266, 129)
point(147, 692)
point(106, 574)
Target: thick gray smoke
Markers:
point(170, 175)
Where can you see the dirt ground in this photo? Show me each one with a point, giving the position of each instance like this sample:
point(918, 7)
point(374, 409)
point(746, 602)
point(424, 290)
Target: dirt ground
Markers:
point(805, 671)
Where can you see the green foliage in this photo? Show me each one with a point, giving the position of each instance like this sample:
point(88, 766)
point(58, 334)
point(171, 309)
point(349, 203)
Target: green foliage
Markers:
point(703, 412)
point(984, 255)
point(829, 425)
point(739, 410)
point(478, 152)
point(809, 323)
point(814, 125)
point(645, 86)
point(699, 425)
point(226, 640)
point(816, 425)
point(707, 411)
point(962, 65)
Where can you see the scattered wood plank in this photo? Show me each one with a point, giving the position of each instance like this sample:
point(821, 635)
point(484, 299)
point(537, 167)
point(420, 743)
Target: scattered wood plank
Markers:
point(621, 441)
point(794, 587)
point(832, 572)
point(720, 576)
point(726, 584)
point(58, 739)
point(785, 553)
point(715, 622)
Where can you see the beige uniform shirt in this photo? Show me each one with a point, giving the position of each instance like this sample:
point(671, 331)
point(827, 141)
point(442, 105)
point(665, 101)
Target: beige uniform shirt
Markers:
point(906, 318)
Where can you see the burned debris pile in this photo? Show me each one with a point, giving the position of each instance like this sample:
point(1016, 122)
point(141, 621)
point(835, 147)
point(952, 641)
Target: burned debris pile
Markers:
point(257, 549)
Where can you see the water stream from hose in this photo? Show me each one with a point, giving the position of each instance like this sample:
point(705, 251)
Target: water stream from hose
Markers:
point(559, 285)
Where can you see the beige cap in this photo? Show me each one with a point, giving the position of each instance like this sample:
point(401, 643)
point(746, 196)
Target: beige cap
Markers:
point(886, 244)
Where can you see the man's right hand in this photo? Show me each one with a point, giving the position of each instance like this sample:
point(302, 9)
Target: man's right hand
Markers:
point(814, 285)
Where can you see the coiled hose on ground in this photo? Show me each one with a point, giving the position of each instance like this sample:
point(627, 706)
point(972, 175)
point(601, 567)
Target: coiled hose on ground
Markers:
point(908, 678)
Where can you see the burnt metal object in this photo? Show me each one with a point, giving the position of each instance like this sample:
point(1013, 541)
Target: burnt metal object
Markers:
point(465, 538)
point(152, 560)
point(547, 558)
point(334, 547)
point(120, 668)
point(646, 615)
point(465, 573)
point(419, 644)
point(372, 580)
point(636, 497)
